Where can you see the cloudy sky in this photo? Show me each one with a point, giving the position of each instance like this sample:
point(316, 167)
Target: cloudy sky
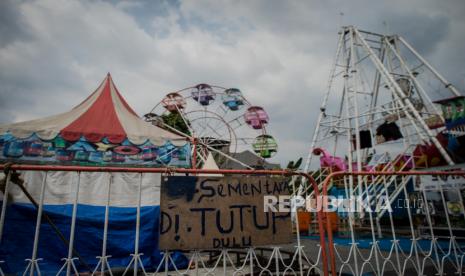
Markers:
point(54, 53)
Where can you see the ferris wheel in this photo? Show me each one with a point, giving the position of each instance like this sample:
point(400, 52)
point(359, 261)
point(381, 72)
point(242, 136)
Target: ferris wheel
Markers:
point(219, 121)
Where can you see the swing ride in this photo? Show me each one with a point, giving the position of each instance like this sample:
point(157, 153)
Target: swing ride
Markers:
point(383, 98)
point(385, 105)
point(387, 111)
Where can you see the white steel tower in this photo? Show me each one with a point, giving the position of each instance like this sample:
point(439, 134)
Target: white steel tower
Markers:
point(375, 79)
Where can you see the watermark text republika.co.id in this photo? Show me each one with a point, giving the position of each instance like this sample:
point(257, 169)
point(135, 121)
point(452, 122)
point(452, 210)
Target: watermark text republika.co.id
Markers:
point(354, 204)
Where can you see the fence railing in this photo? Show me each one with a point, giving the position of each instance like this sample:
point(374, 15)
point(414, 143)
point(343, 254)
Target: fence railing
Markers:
point(270, 260)
point(375, 242)
point(396, 245)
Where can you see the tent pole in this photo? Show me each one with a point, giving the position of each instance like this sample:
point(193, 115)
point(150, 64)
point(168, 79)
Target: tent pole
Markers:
point(4, 204)
point(136, 245)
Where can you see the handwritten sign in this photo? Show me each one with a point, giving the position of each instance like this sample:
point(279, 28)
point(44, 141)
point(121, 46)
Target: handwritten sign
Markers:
point(228, 212)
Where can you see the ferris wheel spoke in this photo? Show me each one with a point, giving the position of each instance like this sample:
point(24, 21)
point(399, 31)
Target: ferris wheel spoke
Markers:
point(205, 116)
point(228, 157)
point(209, 147)
point(222, 144)
point(218, 135)
point(212, 116)
point(238, 126)
point(201, 154)
point(206, 129)
point(217, 145)
point(209, 130)
point(224, 115)
point(185, 120)
point(236, 120)
point(202, 123)
point(245, 141)
point(217, 138)
point(203, 130)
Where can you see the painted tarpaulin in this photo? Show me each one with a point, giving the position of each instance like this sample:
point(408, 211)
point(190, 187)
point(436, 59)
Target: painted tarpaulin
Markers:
point(35, 150)
point(102, 130)
point(21, 215)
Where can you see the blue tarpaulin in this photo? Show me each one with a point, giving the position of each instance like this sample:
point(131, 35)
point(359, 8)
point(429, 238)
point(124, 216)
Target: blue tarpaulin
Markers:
point(18, 236)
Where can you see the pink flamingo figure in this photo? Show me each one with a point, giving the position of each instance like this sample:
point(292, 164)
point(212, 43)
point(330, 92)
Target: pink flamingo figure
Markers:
point(328, 161)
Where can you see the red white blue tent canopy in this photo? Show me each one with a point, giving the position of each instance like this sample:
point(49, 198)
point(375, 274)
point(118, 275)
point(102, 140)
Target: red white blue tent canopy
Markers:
point(104, 114)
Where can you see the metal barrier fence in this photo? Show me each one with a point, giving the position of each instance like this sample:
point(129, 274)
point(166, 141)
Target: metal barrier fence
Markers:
point(417, 242)
point(371, 242)
point(273, 260)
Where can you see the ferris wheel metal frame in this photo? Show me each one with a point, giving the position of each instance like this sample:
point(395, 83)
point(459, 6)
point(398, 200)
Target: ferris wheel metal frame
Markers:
point(213, 103)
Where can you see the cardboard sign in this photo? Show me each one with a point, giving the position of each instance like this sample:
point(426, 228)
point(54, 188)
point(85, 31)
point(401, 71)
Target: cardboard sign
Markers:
point(228, 212)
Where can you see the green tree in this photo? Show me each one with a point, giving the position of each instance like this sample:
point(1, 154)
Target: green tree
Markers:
point(175, 120)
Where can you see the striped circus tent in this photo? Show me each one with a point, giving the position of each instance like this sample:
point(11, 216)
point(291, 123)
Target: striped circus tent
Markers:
point(103, 114)
point(103, 130)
